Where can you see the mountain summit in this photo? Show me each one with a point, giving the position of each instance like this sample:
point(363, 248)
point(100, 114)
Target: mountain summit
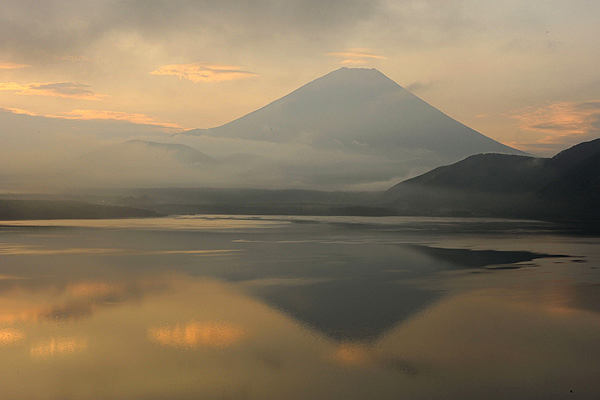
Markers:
point(352, 129)
point(360, 110)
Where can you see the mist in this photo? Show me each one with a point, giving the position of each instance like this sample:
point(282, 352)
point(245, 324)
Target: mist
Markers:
point(352, 129)
point(46, 154)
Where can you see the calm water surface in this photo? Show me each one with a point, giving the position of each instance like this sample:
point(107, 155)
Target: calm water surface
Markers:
point(218, 307)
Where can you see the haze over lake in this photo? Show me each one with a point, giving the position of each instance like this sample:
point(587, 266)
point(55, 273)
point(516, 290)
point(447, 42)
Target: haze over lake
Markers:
point(226, 307)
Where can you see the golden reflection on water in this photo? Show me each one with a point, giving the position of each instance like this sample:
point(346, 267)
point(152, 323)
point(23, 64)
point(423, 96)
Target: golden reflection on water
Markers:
point(205, 222)
point(484, 336)
point(149, 332)
point(57, 346)
point(352, 354)
point(21, 249)
point(93, 289)
point(9, 336)
point(195, 334)
point(73, 301)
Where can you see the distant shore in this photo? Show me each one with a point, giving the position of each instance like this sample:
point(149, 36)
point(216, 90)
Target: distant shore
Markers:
point(64, 209)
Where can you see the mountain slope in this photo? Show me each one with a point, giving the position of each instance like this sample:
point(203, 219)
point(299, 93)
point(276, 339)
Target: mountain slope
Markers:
point(564, 186)
point(139, 163)
point(576, 192)
point(494, 173)
point(146, 149)
point(359, 110)
point(574, 155)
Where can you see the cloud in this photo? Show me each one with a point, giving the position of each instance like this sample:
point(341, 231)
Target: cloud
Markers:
point(10, 65)
point(203, 72)
point(18, 111)
point(557, 125)
point(71, 90)
point(99, 115)
point(65, 89)
point(12, 87)
point(41, 31)
point(561, 122)
point(134, 118)
point(73, 58)
point(357, 56)
point(420, 86)
point(36, 31)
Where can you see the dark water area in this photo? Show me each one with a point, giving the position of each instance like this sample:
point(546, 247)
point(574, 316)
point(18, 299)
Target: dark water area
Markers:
point(218, 307)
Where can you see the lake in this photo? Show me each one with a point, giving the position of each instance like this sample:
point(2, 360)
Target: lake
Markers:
point(233, 307)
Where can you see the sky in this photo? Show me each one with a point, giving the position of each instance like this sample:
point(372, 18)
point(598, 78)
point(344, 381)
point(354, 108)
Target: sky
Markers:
point(524, 73)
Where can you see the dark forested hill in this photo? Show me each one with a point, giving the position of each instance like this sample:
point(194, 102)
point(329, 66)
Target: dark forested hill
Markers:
point(566, 186)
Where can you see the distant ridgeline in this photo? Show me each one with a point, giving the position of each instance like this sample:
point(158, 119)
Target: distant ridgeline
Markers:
point(562, 188)
point(566, 186)
point(55, 209)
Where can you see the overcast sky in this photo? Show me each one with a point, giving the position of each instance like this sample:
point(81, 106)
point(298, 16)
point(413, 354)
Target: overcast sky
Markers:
point(522, 72)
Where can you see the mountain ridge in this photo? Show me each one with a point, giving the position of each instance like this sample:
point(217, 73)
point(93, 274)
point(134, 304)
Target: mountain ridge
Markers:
point(566, 186)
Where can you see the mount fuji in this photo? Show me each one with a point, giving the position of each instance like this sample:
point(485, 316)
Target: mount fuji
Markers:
point(357, 110)
point(350, 130)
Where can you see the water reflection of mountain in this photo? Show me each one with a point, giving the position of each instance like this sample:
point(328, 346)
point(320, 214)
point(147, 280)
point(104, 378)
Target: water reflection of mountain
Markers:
point(349, 309)
point(369, 291)
point(345, 283)
point(468, 258)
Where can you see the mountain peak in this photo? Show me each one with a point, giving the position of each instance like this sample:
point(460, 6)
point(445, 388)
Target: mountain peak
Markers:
point(360, 110)
point(349, 70)
point(369, 79)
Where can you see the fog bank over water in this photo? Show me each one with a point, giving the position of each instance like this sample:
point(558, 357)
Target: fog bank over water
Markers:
point(52, 154)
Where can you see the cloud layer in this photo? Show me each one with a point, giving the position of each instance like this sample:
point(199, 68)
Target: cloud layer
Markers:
point(203, 72)
point(70, 90)
point(563, 123)
point(475, 61)
point(10, 65)
point(133, 118)
point(357, 56)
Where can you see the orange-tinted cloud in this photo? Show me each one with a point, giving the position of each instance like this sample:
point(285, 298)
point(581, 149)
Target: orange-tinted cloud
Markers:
point(195, 334)
point(10, 65)
point(357, 56)
point(203, 72)
point(73, 58)
point(134, 118)
point(561, 122)
point(70, 90)
point(18, 111)
point(12, 87)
